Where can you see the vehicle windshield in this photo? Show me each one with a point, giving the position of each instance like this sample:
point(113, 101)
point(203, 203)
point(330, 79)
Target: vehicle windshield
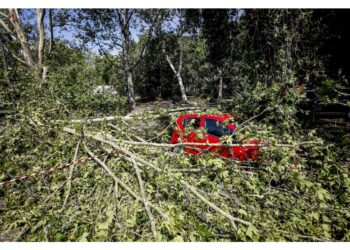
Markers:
point(191, 123)
point(217, 128)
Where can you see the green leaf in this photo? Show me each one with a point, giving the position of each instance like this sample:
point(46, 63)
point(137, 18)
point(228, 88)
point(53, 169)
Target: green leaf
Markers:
point(251, 231)
point(59, 237)
point(242, 212)
point(83, 237)
point(178, 239)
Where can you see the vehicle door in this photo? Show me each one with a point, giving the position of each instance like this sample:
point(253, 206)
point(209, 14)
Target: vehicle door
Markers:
point(191, 133)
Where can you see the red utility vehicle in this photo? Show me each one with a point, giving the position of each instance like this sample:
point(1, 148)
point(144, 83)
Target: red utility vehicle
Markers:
point(209, 129)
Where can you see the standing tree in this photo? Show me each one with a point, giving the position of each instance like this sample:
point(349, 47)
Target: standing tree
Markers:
point(112, 30)
point(10, 22)
point(217, 32)
point(176, 21)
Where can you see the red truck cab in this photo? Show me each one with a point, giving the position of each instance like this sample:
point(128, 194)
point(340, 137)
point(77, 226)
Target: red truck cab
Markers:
point(209, 129)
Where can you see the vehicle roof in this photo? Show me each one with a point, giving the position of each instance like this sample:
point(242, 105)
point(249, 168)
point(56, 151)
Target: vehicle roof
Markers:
point(220, 116)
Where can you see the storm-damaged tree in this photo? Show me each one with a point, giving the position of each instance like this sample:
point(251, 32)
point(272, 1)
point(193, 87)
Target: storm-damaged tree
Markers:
point(16, 42)
point(111, 30)
point(172, 23)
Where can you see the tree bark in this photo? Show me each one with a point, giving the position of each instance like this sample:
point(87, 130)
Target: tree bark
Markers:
point(26, 52)
point(131, 95)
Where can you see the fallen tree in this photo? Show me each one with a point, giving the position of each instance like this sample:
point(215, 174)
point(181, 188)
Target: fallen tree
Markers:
point(133, 158)
point(135, 188)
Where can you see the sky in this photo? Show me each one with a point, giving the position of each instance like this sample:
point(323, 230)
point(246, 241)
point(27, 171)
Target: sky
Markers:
point(69, 34)
point(28, 15)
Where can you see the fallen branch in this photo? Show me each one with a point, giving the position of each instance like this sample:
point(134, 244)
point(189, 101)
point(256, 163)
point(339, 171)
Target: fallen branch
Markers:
point(125, 186)
point(305, 236)
point(69, 182)
point(167, 145)
point(115, 146)
point(252, 118)
point(123, 118)
point(101, 119)
point(53, 193)
point(131, 155)
point(144, 199)
point(212, 205)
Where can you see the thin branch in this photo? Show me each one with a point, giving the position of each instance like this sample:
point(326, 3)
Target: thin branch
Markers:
point(4, 25)
point(4, 15)
point(144, 199)
point(69, 182)
point(115, 146)
point(142, 54)
point(53, 193)
point(256, 116)
point(14, 56)
point(125, 186)
point(212, 205)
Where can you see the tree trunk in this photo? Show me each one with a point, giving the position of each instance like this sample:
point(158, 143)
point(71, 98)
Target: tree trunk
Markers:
point(182, 88)
point(51, 44)
point(178, 76)
point(220, 85)
point(131, 95)
point(124, 20)
point(27, 54)
point(41, 46)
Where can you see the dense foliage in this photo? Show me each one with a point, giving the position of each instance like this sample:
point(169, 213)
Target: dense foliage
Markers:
point(271, 64)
